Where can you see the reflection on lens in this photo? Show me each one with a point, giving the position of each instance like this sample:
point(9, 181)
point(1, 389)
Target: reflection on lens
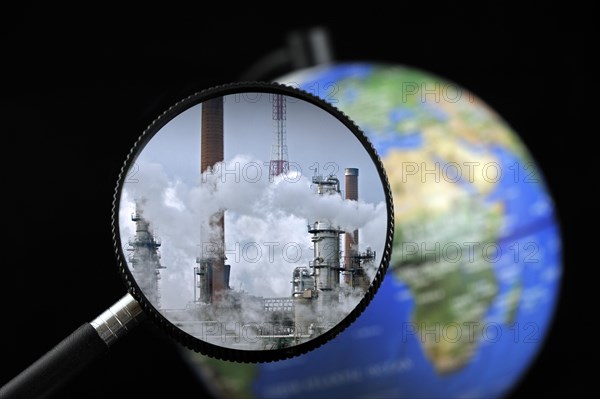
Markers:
point(253, 221)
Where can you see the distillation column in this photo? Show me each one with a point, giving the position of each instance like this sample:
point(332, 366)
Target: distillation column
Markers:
point(145, 257)
point(326, 240)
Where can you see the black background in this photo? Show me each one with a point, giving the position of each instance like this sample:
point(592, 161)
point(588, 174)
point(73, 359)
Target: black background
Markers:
point(80, 85)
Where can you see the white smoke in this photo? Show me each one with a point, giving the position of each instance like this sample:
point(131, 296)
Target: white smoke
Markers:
point(265, 226)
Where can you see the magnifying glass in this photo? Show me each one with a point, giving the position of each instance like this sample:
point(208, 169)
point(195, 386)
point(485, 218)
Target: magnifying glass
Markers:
point(239, 231)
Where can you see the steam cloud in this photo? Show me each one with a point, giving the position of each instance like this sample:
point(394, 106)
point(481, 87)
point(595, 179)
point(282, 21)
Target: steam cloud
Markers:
point(265, 226)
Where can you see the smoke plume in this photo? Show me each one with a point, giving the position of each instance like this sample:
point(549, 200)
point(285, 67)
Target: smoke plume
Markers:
point(265, 226)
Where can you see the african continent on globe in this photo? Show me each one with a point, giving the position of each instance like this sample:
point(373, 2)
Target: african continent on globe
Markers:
point(476, 261)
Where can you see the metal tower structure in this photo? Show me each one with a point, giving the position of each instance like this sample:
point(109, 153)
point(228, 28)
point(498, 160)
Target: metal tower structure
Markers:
point(279, 156)
point(145, 257)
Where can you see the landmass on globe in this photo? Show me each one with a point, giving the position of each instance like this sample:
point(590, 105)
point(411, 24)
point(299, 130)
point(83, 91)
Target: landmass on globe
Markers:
point(436, 134)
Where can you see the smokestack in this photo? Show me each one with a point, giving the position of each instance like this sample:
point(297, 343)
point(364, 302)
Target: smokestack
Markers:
point(212, 133)
point(211, 152)
point(351, 241)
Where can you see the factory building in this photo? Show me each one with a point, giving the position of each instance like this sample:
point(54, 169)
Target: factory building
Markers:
point(316, 290)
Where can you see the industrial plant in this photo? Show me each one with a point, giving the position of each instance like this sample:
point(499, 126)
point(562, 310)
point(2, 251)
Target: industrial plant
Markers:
point(322, 292)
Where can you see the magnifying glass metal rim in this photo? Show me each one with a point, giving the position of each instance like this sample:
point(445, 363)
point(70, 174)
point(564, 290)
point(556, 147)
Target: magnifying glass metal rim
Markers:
point(188, 340)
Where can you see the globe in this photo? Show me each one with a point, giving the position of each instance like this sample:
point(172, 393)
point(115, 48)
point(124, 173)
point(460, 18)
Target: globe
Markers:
point(476, 264)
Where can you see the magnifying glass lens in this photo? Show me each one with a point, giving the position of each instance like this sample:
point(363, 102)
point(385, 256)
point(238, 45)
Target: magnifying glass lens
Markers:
point(254, 221)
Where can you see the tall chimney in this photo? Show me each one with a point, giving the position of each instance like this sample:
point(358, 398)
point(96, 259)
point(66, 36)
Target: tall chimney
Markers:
point(212, 133)
point(351, 241)
point(211, 153)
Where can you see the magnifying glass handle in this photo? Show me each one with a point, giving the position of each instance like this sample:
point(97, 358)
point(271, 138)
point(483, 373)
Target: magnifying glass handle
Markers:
point(75, 352)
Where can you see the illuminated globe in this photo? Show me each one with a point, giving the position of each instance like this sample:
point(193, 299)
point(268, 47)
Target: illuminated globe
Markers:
point(476, 261)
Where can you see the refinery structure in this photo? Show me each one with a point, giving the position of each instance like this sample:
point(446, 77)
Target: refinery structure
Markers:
point(144, 256)
point(322, 292)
